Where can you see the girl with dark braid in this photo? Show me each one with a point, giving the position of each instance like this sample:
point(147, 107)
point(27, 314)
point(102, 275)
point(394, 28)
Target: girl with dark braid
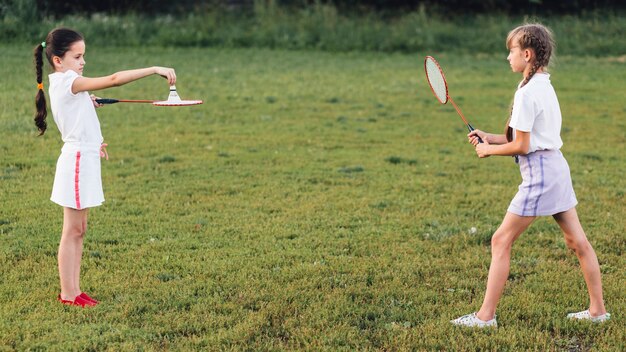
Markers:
point(532, 135)
point(77, 182)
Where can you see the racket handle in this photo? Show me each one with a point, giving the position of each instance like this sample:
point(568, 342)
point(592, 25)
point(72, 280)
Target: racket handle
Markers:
point(470, 128)
point(106, 101)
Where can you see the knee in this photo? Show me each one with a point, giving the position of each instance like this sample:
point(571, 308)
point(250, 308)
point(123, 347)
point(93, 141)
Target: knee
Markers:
point(501, 242)
point(76, 231)
point(578, 245)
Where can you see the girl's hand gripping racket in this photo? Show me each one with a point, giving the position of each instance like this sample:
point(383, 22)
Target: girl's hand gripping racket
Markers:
point(437, 82)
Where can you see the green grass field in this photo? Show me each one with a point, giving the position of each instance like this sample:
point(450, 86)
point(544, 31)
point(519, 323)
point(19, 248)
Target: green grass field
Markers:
point(315, 201)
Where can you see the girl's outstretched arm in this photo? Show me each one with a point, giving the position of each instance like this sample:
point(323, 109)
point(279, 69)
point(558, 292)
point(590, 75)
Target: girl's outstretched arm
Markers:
point(519, 146)
point(82, 84)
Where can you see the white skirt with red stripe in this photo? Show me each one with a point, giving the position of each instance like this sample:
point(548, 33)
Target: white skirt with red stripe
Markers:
point(77, 181)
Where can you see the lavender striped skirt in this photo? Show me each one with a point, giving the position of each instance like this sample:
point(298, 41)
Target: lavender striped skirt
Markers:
point(546, 187)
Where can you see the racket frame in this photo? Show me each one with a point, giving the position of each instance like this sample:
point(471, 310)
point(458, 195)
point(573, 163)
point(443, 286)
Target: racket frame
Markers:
point(448, 97)
point(153, 102)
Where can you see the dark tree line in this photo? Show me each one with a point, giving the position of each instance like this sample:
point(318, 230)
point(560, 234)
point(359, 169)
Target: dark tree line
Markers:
point(60, 8)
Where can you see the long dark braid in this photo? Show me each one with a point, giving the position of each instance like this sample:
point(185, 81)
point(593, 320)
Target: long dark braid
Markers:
point(538, 38)
point(57, 43)
point(40, 98)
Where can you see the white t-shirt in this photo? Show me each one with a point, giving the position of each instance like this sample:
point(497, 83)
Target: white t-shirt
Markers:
point(536, 110)
point(74, 114)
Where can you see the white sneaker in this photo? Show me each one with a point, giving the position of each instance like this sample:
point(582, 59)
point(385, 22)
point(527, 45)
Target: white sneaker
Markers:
point(472, 321)
point(585, 315)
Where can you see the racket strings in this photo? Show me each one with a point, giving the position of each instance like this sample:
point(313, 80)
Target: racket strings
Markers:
point(437, 81)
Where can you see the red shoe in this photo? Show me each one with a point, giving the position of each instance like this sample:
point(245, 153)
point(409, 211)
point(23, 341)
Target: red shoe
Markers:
point(78, 301)
point(86, 297)
point(63, 301)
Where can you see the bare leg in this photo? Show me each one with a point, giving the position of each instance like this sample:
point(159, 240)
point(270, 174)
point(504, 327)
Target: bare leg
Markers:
point(501, 242)
point(576, 240)
point(70, 251)
point(79, 253)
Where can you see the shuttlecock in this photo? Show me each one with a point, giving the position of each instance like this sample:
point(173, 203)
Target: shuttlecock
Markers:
point(173, 97)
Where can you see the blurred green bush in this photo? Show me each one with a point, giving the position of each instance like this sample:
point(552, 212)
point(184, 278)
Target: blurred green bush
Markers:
point(317, 26)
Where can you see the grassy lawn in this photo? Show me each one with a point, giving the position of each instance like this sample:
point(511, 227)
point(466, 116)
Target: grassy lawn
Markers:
point(315, 201)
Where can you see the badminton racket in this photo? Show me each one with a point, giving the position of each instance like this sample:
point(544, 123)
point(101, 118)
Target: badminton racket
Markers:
point(439, 86)
point(172, 100)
